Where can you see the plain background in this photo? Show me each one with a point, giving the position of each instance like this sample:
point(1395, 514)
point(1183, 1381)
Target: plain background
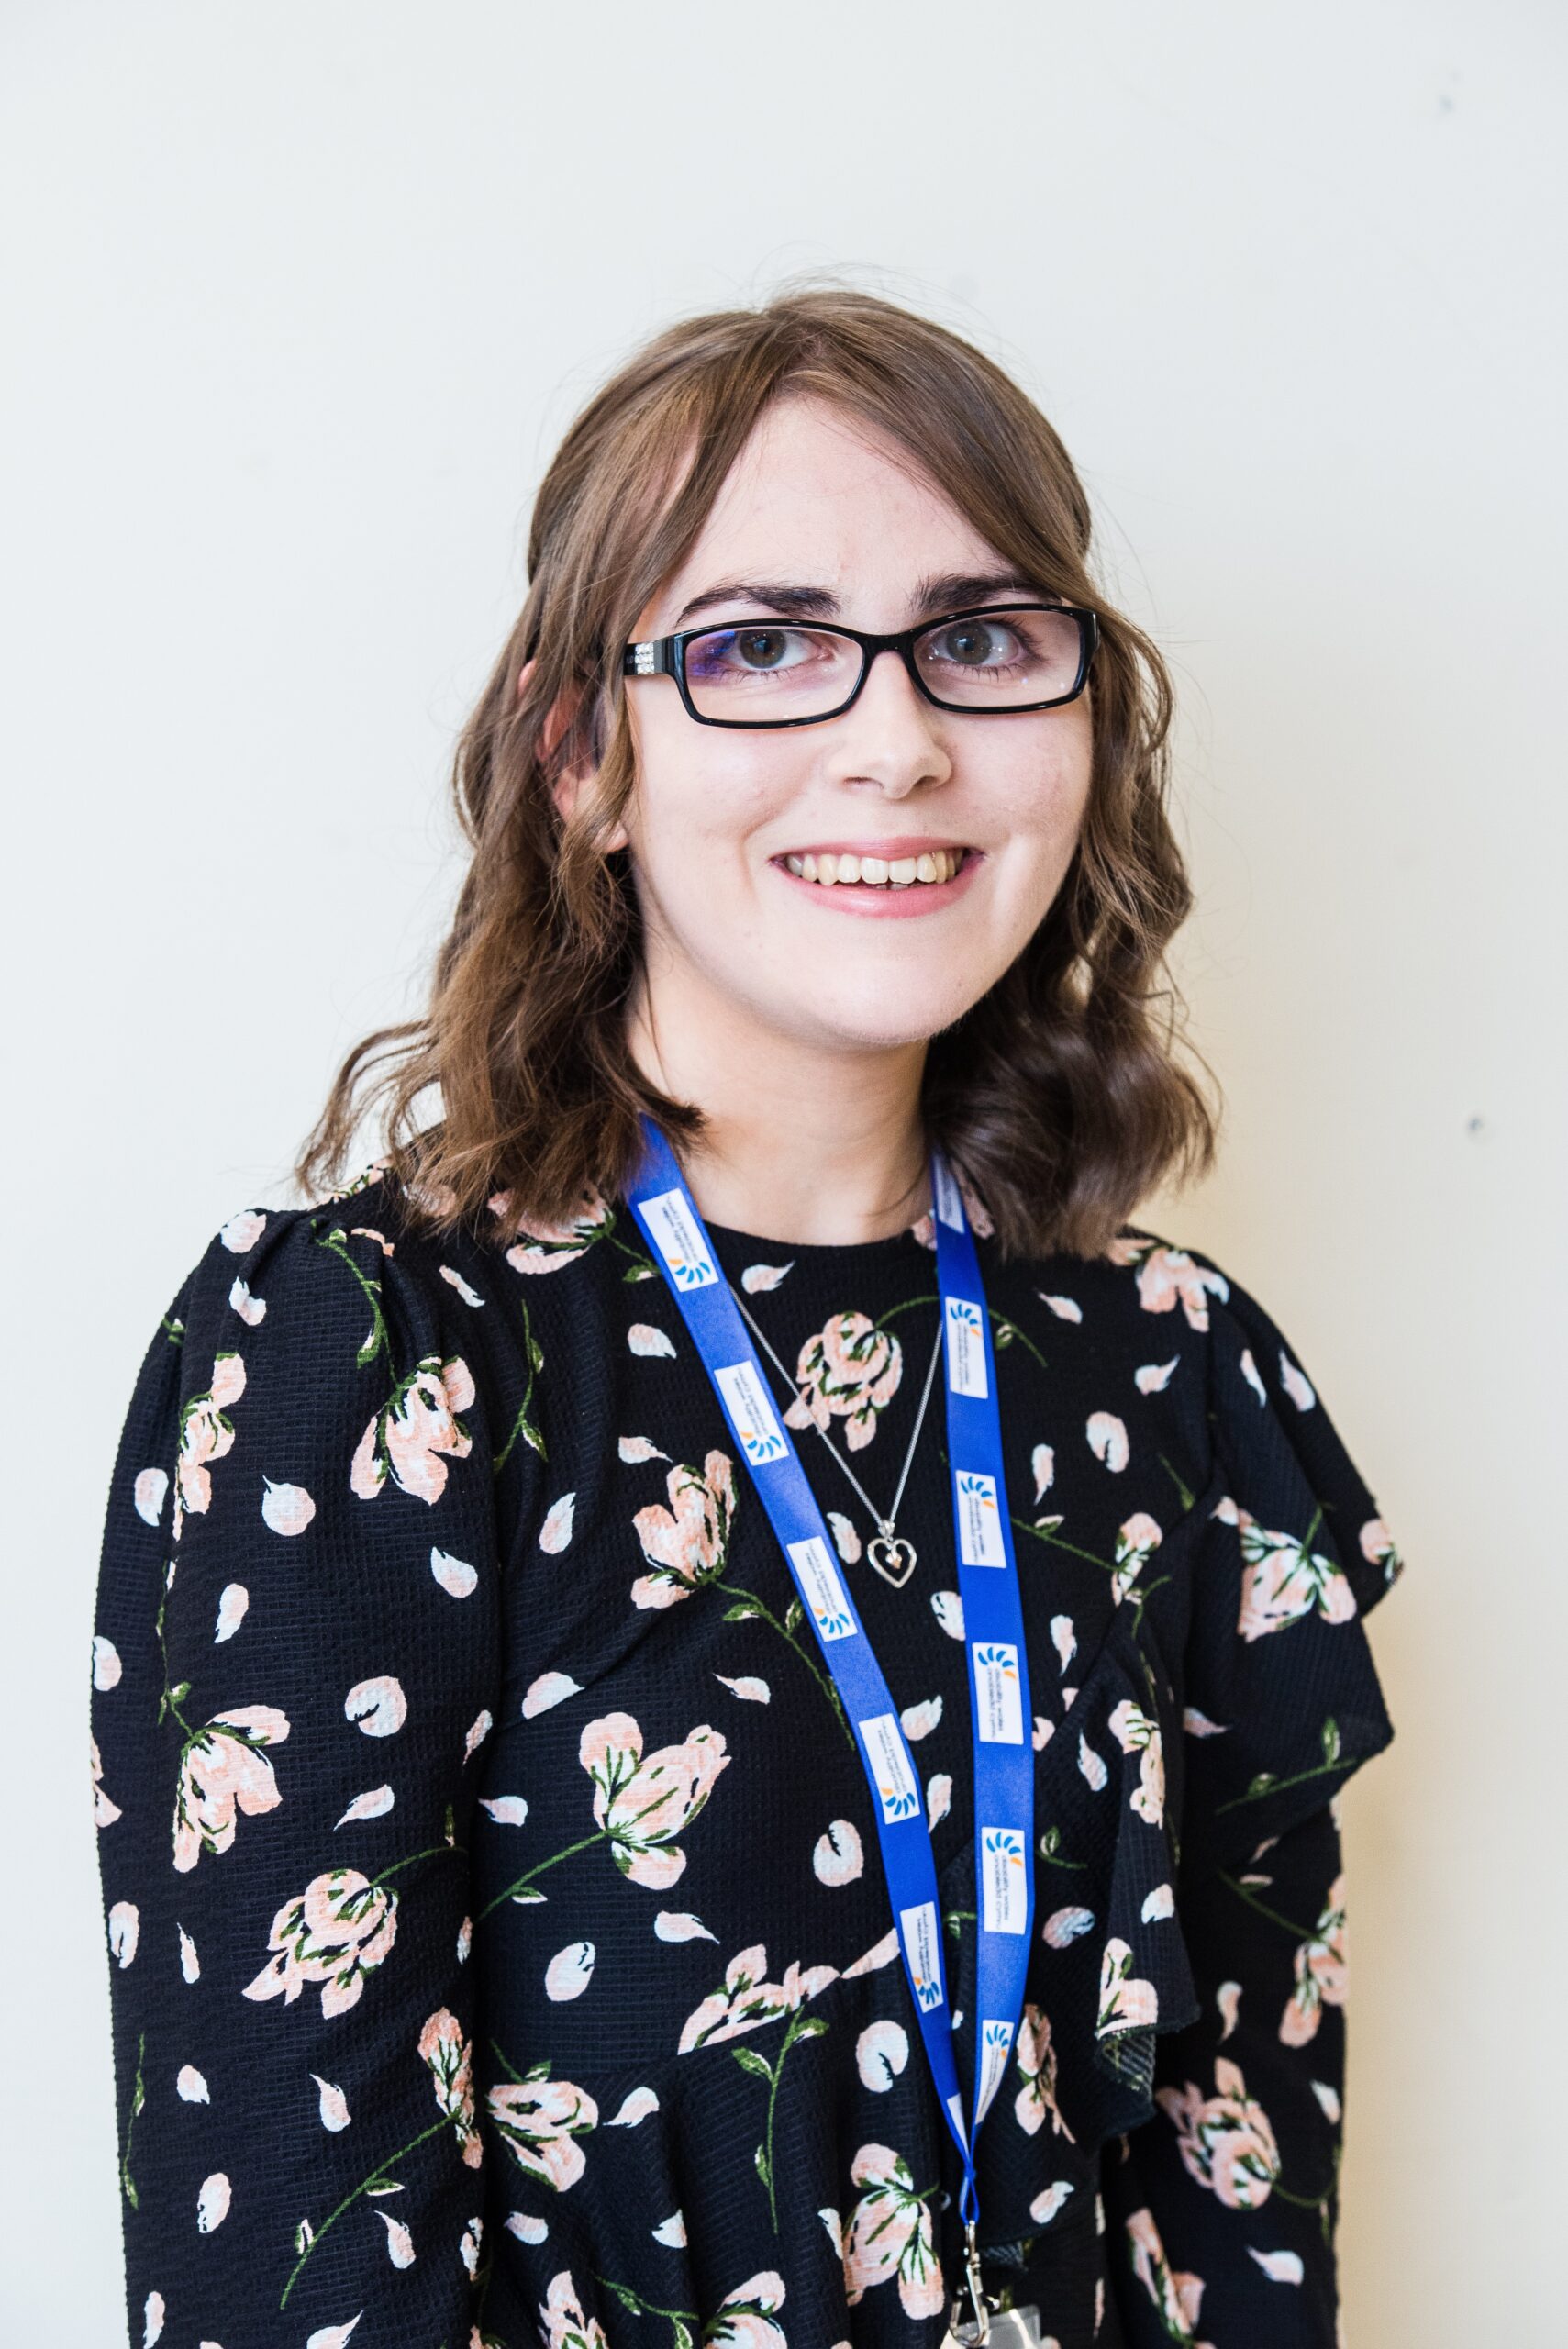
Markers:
point(298, 300)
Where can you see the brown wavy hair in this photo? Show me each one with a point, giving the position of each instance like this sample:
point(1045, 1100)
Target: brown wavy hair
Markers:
point(1063, 1095)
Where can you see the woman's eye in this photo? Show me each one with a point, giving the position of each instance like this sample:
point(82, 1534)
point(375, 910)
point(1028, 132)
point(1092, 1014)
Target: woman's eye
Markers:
point(972, 643)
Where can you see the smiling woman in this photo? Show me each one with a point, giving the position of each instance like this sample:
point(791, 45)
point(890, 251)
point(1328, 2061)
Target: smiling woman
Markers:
point(578, 1870)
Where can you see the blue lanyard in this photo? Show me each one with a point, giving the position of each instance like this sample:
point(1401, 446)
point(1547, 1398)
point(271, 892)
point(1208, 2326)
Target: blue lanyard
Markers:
point(993, 1626)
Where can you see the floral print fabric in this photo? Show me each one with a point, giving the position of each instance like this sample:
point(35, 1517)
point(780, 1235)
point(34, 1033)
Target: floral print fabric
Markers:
point(498, 1943)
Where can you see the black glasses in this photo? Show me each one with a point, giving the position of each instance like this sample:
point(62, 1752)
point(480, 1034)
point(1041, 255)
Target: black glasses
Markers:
point(996, 658)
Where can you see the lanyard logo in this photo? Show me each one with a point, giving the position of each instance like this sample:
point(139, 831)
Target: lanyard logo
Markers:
point(1005, 1887)
point(679, 1241)
point(998, 1708)
point(979, 1518)
point(818, 1578)
point(751, 1412)
point(894, 1781)
point(919, 1925)
point(966, 1349)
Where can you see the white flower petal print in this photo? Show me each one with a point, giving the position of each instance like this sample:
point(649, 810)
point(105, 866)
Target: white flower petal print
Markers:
point(476, 1736)
point(1042, 1460)
point(1068, 1698)
point(374, 1804)
point(252, 1310)
point(762, 1276)
point(526, 2229)
point(1153, 1377)
point(1044, 2207)
point(105, 1665)
point(1228, 1999)
point(570, 1971)
point(671, 2230)
point(1281, 2267)
point(1298, 1386)
point(241, 1233)
point(1158, 1905)
point(556, 1532)
point(880, 1953)
point(948, 1608)
point(190, 2085)
point(377, 1707)
point(547, 1691)
point(212, 2202)
point(644, 1339)
point(332, 2104)
point(636, 1448)
point(1067, 1925)
point(1253, 1376)
point(152, 2313)
point(1198, 1724)
point(454, 1279)
point(882, 2051)
point(456, 1576)
point(399, 2242)
point(190, 1963)
point(846, 1540)
point(746, 1685)
point(150, 1487)
point(286, 1509)
point(1064, 1308)
point(1045, 1730)
point(1064, 1638)
point(939, 1796)
point(1091, 1764)
point(1328, 2097)
point(634, 2108)
point(333, 2336)
point(838, 1855)
point(920, 1720)
point(465, 1941)
point(507, 1810)
point(125, 1931)
point(232, 1601)
point(681, 1925)
point(1107, 1440)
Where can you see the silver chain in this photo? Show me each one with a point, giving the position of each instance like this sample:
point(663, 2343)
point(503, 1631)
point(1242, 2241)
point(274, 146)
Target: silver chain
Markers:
point(884, 1524)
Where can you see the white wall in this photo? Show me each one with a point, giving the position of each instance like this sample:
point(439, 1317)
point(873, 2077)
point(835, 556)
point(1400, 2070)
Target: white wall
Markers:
point(299, 300)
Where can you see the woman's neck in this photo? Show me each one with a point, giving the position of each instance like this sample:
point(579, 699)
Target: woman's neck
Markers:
point(804, 1146)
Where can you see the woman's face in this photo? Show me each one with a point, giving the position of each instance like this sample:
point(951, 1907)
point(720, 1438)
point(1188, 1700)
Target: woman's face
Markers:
point(816, 501)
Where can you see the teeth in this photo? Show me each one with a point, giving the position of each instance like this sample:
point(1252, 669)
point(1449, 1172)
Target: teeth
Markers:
point(877, 872)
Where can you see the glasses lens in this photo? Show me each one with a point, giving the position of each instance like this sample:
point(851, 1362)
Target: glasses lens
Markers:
point(1001, 660)
point(766, 672)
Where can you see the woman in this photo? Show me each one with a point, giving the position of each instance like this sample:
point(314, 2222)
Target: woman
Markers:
point(526, 1924)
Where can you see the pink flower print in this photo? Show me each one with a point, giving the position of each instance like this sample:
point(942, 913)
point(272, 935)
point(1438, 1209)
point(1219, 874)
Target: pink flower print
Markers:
point(743, 2318)
point(540, 2120)
point(451, 2058)
point(333, 1933)
point(749, 1999)
point(563, 2324)
point(974, 1207)
point(1168, 1277)
point(890, 2234)
point(1126, 2003)
point(547, 1247)
point(413, 1429)
point(1135, 1732)
point(105, 1812)
point(1175, 2296)
point(222, 1771)
point(1321, 1972)
point(1283, 1579)
point(1036, 2059)
point(687, 1543)
point(1224, 2141)
point(1378, 1550)
point(645, 1803)
point(206, 1433)
point(1136, 1543)
point(850, 1370)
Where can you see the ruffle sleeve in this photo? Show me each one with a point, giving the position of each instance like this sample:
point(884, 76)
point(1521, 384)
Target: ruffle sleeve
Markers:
point(297, 1657)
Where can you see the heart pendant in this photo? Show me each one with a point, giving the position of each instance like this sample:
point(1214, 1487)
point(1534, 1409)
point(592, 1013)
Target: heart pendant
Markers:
point(897, 1562)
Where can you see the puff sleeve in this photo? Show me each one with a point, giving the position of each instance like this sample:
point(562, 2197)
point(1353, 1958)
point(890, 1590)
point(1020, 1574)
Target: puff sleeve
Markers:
point(1223, 2204)
point(296, 1658)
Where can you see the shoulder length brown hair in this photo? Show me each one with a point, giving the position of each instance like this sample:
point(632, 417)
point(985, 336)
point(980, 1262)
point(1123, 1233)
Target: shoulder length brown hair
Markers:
point(1061, 1094)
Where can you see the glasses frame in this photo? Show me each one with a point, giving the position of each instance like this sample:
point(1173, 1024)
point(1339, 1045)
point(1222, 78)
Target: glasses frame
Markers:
point(665, 656)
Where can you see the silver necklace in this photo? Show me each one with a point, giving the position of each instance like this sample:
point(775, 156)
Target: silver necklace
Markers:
point(892, 1554)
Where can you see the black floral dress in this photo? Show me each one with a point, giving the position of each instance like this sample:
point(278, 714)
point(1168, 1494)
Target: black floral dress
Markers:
point(500, 1952)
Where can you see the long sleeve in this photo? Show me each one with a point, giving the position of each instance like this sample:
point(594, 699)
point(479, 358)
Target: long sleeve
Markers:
point(1222, 2204)
point(297, 1657)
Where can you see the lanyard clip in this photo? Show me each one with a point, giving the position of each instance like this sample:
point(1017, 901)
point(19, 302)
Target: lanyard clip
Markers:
point(967, 2332)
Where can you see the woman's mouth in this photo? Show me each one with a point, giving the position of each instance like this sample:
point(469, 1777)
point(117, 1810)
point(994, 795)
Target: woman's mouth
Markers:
point(862, 883)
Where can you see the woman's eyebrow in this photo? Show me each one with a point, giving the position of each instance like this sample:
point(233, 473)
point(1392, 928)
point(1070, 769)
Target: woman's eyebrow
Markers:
point(941, 592)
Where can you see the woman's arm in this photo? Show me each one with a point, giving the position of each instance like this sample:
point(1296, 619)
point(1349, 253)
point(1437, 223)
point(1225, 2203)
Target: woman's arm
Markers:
point(297, 1656)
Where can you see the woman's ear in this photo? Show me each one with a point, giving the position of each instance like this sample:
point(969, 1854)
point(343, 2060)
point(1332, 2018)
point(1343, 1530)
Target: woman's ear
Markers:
point(567, 787)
